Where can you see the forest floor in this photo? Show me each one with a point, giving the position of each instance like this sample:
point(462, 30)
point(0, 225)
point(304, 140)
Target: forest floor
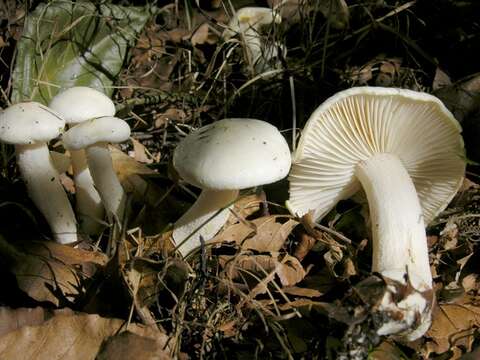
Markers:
point(269, 285)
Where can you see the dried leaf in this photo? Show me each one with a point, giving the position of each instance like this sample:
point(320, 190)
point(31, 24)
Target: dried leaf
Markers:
point(301, 303)
point(48, 271)
point(263, 234)
point(469, 282)
point(129, 172)
point(140, 152)
point(171, 114)
point(453, 325)
point(304, 292)
point(69, 336)
point(128, 345)
point(245, 206)
point(12, 319)
point(461, 98)
point(229, 328)
point(386, 351)
point(307, 242)
point(441, 79)
point(288, 269)
point(202, 35)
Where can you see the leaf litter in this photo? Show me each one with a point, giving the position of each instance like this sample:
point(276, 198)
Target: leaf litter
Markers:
point(293, 284)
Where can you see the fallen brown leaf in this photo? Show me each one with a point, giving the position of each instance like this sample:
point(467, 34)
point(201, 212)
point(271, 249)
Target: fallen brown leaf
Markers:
point(48, 271)
point(303, 292)
point(263, 234)
point(265, 267)
point(12, 319)
point(386, 351)
point(453, 326)
point(140, 152)
point(71, 336)
point(202, 35)
point(128, 345)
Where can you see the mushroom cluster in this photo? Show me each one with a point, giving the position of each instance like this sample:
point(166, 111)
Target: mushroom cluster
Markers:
point(30, 126)
point(405, 150)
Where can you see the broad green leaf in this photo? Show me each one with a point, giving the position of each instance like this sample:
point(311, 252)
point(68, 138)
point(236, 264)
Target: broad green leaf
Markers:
point(67, 44)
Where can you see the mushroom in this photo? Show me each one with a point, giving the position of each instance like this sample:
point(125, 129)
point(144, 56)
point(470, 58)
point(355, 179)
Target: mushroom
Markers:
point(222, 158)
point(405, 150)
point(94, 136)
point(76, 105)
point(247, 22)
point(29, 126)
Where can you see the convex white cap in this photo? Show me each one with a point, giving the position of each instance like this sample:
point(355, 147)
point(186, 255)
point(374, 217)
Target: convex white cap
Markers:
point(107, 129)
point(29, 123)
point(250, 17)
point(81, 103)
point(233, 154)
point(357, 123)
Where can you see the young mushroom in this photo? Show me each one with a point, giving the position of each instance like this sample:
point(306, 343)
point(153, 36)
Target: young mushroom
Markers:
point(29, 126)
point(405, 150)
point(247, 22)
point(93, 136)
point(222, 158)
point(76, 105)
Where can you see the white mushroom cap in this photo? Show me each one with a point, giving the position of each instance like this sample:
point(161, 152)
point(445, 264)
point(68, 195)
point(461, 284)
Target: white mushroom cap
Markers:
point(103, 129)
point(250, 17)
point(81, 103)
point(233, 154)
point(356, 123)
point(29, 123)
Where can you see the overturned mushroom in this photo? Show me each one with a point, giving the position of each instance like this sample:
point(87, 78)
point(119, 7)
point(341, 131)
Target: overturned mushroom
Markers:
point(29, 126)
point(221, 159)
point(405, 150)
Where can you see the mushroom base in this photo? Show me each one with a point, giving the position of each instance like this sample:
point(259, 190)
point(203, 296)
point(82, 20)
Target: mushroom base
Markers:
point(404, 311)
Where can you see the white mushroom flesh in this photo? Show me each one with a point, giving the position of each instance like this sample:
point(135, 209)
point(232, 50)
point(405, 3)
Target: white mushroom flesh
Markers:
point(44, 188)
point(204, 219)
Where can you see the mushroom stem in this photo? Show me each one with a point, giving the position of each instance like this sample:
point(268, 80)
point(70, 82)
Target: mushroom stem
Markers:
point(46, 191)
point(88, 205)
point(203, 212)
point(400, 250)
point(399, 239)
point(106, 181)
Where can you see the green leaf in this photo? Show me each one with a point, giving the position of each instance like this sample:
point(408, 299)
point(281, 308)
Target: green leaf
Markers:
point(67, 44)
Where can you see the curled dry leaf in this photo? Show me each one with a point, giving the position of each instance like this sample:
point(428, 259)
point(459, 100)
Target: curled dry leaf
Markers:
point(140, 152)
point(307, 242)
point(245, 206)
point(203, 35)
point(265, 267)
point(72, 336)
point(48, 271)
point(453, 326)
point(129, 172)
point(263, 234)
